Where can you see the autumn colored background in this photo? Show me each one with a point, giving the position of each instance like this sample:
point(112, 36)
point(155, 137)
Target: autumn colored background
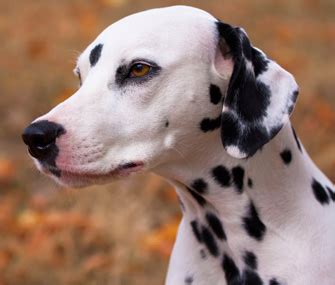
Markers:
point(122, 234)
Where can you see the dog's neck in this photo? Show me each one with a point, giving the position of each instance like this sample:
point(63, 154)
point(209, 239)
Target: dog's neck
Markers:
point(264, 188)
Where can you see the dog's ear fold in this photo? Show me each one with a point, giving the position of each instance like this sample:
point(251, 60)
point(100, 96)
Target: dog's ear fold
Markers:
point(260, 96)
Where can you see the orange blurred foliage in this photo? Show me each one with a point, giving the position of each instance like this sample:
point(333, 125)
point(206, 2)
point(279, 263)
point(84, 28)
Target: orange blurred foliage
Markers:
point(161, 240)
point(7, 170)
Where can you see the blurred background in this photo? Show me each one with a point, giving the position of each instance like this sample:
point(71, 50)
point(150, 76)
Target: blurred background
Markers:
point(122, 234)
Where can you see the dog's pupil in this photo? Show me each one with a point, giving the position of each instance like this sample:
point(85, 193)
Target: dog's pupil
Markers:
point(139, 67)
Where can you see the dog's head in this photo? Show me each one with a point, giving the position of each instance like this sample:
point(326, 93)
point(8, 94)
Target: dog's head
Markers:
point(153, 86)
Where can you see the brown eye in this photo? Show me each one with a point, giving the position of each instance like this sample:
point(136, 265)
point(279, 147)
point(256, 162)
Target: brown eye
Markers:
point(139, 70)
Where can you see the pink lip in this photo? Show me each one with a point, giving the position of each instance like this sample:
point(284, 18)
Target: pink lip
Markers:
point(122, 170)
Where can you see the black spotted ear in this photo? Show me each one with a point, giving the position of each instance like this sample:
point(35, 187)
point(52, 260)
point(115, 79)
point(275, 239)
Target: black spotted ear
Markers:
point(260, 97)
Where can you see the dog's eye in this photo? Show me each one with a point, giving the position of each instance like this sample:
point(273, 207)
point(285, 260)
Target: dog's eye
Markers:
point(139, 70)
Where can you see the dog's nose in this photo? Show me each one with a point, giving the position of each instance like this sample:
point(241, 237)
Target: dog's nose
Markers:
point(40, 137)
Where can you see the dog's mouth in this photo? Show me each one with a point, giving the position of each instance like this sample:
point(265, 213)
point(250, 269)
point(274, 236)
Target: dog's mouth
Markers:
point(81, 178)
point(122, 170)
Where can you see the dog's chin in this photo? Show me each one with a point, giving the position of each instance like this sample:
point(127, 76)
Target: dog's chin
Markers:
point(80, 179)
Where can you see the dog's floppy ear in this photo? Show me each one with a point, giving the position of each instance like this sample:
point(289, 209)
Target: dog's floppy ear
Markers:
point(260, 97)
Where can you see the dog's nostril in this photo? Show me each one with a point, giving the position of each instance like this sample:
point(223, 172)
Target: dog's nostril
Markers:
point(41, 136)
point(42, 141)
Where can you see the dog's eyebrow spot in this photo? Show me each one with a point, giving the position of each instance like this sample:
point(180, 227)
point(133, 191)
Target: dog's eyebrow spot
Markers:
point(95, 54)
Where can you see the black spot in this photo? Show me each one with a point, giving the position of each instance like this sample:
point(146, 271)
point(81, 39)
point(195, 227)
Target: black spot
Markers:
point(250, 259)
point(209, 241)
point(208, 124)
point(203, 254)
point(331, 193)
point(201, 201)
point(251, 278)
point(221, 175)
point(196, 231)
point(231, 271)
point(238, 177)
point(253, 225)
point(274, 281)
point(296, 139)
point(320, 192)
point(295, 95)
point(250, 183)
point(215, 94)
point(167, 123)
point(189, 280)
point(95, 54)
point(247, 138)
point(199, 185)
point(216, 226)
point(286, 156)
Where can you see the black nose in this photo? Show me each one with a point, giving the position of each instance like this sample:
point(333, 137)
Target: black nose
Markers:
point(40, 137)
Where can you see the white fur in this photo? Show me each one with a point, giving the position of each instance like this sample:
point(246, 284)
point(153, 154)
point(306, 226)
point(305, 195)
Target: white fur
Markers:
point(107, 125)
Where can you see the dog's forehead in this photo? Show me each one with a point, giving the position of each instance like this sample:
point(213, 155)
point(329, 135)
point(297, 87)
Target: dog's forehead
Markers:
point(159, 31)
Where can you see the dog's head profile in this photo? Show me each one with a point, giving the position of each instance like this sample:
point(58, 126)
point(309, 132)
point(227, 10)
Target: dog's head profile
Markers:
point(156, 82)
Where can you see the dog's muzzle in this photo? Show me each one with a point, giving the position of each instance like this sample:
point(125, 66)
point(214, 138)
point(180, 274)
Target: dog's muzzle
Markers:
point(40, 137)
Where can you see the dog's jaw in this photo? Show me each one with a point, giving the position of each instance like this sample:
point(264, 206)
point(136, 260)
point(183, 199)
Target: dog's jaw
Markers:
point(78, 178)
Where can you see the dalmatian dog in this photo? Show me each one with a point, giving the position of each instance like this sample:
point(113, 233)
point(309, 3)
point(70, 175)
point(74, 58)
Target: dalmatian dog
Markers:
point(177, 92)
